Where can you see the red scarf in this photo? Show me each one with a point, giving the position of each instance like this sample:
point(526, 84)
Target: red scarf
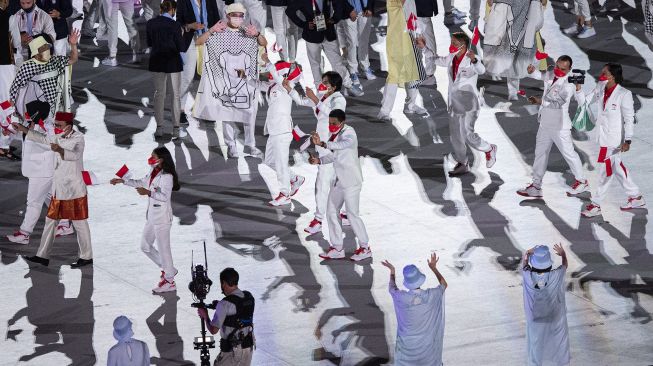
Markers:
point(607, 94)
point(317, 109)
point(155, 172)
point(456, 62)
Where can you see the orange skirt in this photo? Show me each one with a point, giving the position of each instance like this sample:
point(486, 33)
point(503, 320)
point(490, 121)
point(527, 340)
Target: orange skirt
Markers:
point(75, 209)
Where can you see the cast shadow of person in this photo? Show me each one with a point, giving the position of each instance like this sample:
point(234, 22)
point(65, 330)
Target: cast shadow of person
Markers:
point(63, 325)
point(493, 226)
point(163, 325)
point(622, 278)
point(365, 329)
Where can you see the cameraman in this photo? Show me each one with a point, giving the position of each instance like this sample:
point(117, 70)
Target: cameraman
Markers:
point(555, 128)
point(234, 318)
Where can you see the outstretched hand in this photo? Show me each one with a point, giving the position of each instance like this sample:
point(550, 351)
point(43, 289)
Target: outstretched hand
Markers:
point(559, 249)
point(389, 266)
point(73, 38)
point(433, 261)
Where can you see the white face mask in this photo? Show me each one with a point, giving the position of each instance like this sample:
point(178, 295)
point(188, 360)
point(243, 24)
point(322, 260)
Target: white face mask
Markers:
point(236, 21)
point(45, 55)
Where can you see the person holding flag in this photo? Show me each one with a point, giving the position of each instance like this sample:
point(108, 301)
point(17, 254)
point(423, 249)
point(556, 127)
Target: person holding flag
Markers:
point(463, 68)
point(69, 196)
point(158, 186)
point(279, 127)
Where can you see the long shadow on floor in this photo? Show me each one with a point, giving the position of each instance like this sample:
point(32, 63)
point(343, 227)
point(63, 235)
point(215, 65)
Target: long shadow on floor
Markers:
point(163, 325)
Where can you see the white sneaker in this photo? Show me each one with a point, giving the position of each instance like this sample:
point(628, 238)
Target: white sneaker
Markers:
point(232, 151)
point(110, 61)
point(634, 202)
point(571, 30)
point(411, 108)
point(369, 74)
point(333, 253)
point(165, 286)
point(63, 230)
point(491, 156)
point(578, 187)
point(451, 19)
point(281, 200)
point(295, 184)
point(314, 227)
point(19, 237)
point(591, 210)
point(254, 151)
point(384, 117)
point(361, 253)
point(586, 32)
point(344, 219)
point(355, 91)
point(531, 191)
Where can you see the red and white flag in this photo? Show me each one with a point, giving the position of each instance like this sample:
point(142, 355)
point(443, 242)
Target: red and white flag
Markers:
point(124, 172)
point(476, 37)
point(5, 119)
point(540, 55)
point(90, 179)
point(299, 135)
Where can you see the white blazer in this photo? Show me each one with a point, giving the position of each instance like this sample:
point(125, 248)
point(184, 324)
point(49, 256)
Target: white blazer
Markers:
point(330, 103)
point(278, 120)
point(615, 121)
point(42, 23)
point(344, 157)
point(554, 110)
point(68, 182)
point(463, 93)
point(159, 209)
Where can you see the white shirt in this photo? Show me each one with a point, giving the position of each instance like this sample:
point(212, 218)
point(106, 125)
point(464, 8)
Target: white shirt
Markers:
point(322, 109)
point(278, 119)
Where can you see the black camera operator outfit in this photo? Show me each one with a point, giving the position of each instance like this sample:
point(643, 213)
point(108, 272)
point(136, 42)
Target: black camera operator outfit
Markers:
point(234, 316)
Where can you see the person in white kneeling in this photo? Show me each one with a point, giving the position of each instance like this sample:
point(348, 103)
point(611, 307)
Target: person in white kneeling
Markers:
point(128, 351)
point(420, 316)
point(547, 332)
point(555, 128)
point(158, 185)
point(616, 114)
point(343, 147)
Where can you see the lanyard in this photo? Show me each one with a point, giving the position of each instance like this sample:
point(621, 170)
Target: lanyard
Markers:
point(314, 3)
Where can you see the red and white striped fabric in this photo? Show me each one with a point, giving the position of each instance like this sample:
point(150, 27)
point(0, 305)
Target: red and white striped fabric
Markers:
point(5, 119)
point(124, 172)
point(476, 37)
point(299, 135)
point(90, 179)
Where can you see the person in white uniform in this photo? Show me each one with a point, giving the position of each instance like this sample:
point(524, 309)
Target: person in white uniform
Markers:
point(328, 99)
point(547, 333)
point(615, 122)
point(68, 190)
point(279, 126)
point(158, 186)
point(463, 68)
point(555, 128)
point(287, 32)
point(31, 22)
point(112, 10)
point(342, 153)
point(357, 38)
point(420, 316)
point(582, 28)
point(128, 351)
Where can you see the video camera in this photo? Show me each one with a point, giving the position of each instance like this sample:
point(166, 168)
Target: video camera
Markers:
point(199, 286)
point(577, 77)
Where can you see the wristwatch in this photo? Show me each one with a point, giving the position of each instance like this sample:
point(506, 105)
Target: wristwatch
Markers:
point(474, 61)
point(323, 144)
point(628, 142)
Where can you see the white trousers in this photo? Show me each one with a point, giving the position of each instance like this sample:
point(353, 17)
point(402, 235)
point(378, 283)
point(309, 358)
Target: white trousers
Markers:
point(582, 8)
point(513, 86)
point(425, 28)
point(187, 76)
point(277, 152)
point(545, 138)
point(151, 8)
point(461, 130)
point(614, 166)
point(229, 130)
point(127, 10)
point(351, 197)
point(326, 176)
point(287, 33)
point(38, 193)
point(83, 238)
point(159, 233)
point(332, 52)
point(161, 80)
point(357, 40)
point(256, 13)
point(390, 94)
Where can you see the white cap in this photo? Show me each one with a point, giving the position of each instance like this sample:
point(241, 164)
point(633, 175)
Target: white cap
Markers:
point(235, 8)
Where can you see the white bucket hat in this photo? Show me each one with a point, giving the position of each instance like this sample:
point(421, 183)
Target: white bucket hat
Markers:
point(413, 278)
point(122, 329)
point(235, 8)
point(35, 44)
point(541, 257)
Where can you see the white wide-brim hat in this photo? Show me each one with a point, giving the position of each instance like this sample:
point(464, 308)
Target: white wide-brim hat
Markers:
point(541, 258)
point(235, 8)
point(413, 278)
